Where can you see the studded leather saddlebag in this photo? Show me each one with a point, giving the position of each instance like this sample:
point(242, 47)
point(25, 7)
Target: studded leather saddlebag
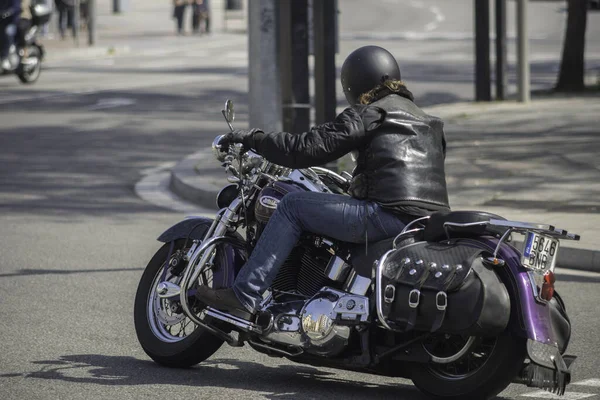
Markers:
point(442, 287)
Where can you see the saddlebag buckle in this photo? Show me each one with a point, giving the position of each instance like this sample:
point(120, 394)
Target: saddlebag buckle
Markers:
point(441, 300)
point(413, 298)
point(389, 293)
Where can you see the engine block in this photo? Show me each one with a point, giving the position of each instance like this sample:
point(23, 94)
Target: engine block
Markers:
point(303, 271)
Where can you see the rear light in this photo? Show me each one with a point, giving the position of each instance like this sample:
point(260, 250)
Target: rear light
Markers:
point(548, 286)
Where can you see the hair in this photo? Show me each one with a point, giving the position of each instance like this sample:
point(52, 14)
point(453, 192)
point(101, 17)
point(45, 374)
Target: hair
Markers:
point(390, 86)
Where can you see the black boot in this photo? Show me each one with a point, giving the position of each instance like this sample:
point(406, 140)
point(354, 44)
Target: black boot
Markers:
point(223, 300)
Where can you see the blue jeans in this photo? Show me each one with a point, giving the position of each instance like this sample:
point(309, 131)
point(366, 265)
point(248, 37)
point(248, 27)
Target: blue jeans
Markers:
point(336, 216)
point(8, 30)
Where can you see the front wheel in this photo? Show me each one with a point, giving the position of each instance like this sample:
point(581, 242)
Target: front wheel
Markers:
point(31, 67)
point(469, 367)
point(168, 336)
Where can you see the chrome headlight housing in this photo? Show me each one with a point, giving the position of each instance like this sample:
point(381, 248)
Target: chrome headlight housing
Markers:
point(219, 152)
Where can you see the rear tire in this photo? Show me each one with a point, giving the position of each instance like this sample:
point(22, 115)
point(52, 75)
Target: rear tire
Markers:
point(448, 382)
point(155, 337)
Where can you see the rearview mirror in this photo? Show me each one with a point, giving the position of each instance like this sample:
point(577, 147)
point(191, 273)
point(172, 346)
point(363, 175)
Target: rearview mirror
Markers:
point(229, 113)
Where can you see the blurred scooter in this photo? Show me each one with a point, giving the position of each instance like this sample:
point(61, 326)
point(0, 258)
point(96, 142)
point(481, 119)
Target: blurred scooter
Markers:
point(25, 59)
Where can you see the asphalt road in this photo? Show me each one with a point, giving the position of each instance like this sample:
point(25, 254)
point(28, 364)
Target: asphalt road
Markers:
point(74, 237)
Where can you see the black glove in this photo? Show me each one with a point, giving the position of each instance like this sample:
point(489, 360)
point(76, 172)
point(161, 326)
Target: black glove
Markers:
point(243, 136)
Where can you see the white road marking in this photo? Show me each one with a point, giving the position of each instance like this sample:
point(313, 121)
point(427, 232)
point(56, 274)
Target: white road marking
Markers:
point(114, 102)
point(439, 17)
point(588, 382)
point(567, 396)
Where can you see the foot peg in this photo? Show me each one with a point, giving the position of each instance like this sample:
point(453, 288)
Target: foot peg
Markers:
point(233, 320)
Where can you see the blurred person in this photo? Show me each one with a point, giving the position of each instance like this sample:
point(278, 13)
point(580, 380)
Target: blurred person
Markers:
point(66, 16)
point(200, 14)
point(24, 22)
point(9, 15)
point(178, 14)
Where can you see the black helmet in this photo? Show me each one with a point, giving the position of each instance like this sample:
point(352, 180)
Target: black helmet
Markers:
point(365, 68)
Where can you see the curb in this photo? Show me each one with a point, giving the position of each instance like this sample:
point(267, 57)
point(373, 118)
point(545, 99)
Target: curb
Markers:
point(187, 183)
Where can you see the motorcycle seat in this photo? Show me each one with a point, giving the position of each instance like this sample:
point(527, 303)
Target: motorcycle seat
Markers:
point(435, 231)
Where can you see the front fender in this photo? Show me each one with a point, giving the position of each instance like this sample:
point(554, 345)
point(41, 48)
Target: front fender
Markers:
point(194, 228)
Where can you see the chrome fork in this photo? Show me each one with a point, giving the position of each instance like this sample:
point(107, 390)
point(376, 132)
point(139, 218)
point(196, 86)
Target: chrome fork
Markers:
point(201, 255)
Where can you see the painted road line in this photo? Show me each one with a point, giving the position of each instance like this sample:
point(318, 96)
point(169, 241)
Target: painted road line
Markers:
point(567, 396)
point(588, 382)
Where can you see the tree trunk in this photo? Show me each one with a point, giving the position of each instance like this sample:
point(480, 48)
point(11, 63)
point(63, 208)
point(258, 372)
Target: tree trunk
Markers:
point(571, 76)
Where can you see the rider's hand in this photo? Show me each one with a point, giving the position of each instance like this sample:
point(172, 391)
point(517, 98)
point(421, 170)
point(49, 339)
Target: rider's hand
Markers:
point(243, 136)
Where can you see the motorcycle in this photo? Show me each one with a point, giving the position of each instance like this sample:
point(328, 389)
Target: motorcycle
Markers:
point(452, 302)
point(25, 58)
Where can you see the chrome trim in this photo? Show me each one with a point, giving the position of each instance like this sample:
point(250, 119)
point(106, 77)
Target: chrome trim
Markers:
point(415, 303)
point(502, 239)
point(330, 174)
point(337, 269)
point(447, 360)
point(441, 306)
point(357, 284)
point(463, 225)
point(232, 319)
point(167, 289)
point(392, 296)
point(194, 267)
point(378, 291)
point(521, 227)
point(414, 221)
point(298, 177)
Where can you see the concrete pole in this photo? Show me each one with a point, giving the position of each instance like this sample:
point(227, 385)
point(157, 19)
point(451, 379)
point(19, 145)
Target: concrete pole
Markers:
point(501, 49)
point(76, 21)
point(523, 52)
point(91, 23)
point(324, 46)
point(483, 80)
point(263, 68)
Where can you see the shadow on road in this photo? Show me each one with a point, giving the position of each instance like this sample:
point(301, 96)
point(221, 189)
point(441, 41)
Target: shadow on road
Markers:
point(29, 272)
point(282, 382)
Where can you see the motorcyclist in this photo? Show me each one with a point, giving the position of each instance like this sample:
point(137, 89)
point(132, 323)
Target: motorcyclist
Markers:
point(399, 174)
point(9, 14)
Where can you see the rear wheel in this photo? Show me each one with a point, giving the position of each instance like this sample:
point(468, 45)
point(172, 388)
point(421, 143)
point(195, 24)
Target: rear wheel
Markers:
point(469, 367)
point(166, 334)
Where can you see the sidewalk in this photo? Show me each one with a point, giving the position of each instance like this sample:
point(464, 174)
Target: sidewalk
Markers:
point(536, 163)
point(143, 25)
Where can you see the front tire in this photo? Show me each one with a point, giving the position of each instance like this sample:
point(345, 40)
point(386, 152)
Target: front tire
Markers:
point(30, 69)
point(164, 332)
point(490, 366)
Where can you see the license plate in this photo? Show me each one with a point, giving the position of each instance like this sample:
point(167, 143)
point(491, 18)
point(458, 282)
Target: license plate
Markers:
point(539, 252)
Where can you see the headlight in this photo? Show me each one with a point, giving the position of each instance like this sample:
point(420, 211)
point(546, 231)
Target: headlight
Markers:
point(227, 195)
point(218, 151)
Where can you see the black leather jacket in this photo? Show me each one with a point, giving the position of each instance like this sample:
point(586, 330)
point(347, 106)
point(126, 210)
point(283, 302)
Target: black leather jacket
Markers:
point(401, 152)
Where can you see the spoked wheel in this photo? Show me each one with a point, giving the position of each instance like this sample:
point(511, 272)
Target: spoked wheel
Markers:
point(31, 67)
point(166, 334)
point(469, 367)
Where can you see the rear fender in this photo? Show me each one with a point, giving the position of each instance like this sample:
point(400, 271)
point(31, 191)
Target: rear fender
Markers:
point(530, 317)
